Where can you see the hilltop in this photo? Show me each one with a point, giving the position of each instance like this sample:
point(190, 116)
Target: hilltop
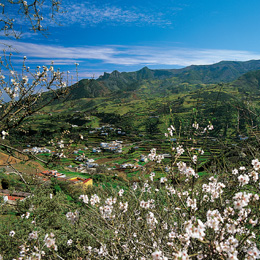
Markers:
point(222, 72)
point(145, 100)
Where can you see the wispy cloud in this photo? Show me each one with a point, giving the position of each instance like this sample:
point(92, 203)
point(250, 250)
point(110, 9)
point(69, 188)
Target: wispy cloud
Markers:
point(96, 56)
point(89, 14)
point(57, 52)
point(180, 56)
point(84, 13)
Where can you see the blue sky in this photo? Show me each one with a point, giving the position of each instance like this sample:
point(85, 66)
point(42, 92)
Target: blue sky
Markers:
point(126, 35)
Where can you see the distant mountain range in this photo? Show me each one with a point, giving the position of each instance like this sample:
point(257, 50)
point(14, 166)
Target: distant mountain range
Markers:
point(224, 71)
point(220, 93)
point(116, 82)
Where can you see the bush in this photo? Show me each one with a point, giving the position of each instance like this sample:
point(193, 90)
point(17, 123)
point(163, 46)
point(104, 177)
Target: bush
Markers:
point(5, 183)
point(216, 218)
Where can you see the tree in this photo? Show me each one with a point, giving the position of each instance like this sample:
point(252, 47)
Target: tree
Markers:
point(32, 12)
point(21, 92)
point(151, 125)
point(5, 183)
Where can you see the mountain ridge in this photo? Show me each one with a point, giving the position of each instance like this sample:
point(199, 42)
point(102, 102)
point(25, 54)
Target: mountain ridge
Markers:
point(235, 68)
point(162, 82)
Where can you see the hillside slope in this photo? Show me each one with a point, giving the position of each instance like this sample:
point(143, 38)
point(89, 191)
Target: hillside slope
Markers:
point(224, 71)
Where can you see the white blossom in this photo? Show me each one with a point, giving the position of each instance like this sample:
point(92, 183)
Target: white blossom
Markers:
point(84, 198)
point(12, 233)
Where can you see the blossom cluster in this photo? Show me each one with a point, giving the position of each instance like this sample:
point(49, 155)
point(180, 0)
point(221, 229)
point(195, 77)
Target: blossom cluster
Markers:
point(178, 217)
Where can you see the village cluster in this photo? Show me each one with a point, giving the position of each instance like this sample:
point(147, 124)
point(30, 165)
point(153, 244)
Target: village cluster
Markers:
point(84, 164)
point(106, 129)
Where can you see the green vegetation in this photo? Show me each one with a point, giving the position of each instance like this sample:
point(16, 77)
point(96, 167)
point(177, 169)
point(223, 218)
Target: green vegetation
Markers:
point(202, 168)
point(157, 100)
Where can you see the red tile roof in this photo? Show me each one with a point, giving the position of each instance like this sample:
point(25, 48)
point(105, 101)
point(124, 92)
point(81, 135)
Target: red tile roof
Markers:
point(15, 198)
point(86, 180)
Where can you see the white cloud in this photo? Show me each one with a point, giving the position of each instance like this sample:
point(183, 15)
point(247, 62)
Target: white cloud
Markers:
point(184, 56)
point(56, 52)
point(127, 55)
point(91, 14)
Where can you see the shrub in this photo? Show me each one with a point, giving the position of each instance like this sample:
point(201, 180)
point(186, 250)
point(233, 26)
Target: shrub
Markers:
point(5, 183)
point(189, 219)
